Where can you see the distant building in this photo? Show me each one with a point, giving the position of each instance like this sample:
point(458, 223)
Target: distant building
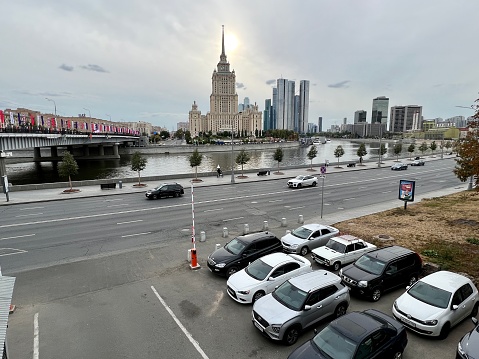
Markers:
point(182, 126)
point(303, 105)
point(380, 110)
point(405, 118)
point(312, 128)
point(360, 116)
point(320, 124)
point(268, 115)
point(285, 104)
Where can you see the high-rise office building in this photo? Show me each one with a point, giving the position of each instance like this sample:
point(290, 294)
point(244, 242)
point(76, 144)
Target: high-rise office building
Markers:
point(405, 118)
point(296, 113)
point(268, 115)
point(285, 105)
point(273, 110)
point(360, 116)
point(303, 106)
point(320, 124)
point(380, 110)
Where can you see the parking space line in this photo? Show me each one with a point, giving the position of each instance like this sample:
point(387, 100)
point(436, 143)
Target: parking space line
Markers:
point(36, 337)
point(232, 219)
point(184, 330)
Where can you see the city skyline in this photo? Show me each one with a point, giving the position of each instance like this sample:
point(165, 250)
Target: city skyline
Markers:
point(121, 67)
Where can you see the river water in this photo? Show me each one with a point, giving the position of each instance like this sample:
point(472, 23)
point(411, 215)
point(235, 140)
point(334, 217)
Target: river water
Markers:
point(170, 164)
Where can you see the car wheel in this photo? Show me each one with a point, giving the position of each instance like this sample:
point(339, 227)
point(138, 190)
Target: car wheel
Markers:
point(376, 295)
point(412, 280)
point(340, 310)
point(291, 335)
point(445, 331)
point(154, 196)
point(231, 271)
point(314, 184)
point(397, 355)
point(175, 194)
point(304, 251)
point(258, 295)
point(336, 266)
point(475, 310)
point(299, 185)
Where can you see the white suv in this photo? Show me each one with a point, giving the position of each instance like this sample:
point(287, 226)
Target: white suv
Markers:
point(298, 303)
point(341, 250)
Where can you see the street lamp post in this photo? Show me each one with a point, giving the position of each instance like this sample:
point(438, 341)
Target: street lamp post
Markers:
point(89, 116)
point(232, 158)
point(54, 104)
point(109, 117)
point(380, 137)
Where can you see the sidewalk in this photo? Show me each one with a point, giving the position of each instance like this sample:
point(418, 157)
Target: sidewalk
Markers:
point(56, 194)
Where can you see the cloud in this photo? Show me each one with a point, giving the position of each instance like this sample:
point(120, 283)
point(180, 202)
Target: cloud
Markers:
point(342, 84)
point(66, 67)
point(91, 67)
point(240, 85)
point(270, 82)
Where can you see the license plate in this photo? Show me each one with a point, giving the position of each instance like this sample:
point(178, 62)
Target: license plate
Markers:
point(408, 322)
point(258, 326)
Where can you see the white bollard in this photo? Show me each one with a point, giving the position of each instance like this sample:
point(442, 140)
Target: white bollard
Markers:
point(202, 236)
point(246, 229)
point(188, 258)
point(300, 219)
point(217, 246)
point(265, 225)
point(225, 232)
point(283, 222)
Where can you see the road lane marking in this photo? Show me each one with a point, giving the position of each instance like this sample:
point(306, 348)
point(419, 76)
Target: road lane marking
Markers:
point(296, 208)
point(349, 199)
point(232, 219)
point(10, 251)
point(29, 215)
point(29, 208)
point(275, 200)
point(212, 210)
point(14, 237)
point(111, 200)
point(36, 337)
point(138, 220)
point(182, 327)
point(118, 205)
point(136, 234)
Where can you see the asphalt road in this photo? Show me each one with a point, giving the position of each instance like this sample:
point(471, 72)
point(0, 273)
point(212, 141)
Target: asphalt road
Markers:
point(108, 277)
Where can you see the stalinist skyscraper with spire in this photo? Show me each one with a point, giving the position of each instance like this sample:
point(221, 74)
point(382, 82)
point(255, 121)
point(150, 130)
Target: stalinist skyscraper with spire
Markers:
point(223, 114)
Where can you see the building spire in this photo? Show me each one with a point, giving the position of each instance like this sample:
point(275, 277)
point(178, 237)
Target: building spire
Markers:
point(223, 40)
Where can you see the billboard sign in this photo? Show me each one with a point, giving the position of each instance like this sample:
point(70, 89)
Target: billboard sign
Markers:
point(406, 190)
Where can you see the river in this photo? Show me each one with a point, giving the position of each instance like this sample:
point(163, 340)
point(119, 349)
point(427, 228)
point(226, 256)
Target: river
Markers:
point(168, 164)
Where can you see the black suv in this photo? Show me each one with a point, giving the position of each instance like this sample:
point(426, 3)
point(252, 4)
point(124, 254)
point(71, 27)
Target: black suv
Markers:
point(381, 270)
point(165, 190)
point(240, 251)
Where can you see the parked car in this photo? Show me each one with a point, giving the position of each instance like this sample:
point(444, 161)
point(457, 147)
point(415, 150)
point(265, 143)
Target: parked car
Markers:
point(302, 181)
point(399, 166)
point(367, 334)
point(468, 346)
point(264, 275)
point(299, 303)
point(417, 163)
point(436, 303)
point(307, 237)
point(341, 250)
point(165, 190)
point(240, 251)
point(381, 270)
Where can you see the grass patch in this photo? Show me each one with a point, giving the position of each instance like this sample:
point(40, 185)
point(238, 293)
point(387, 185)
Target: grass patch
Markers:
point(473, 240)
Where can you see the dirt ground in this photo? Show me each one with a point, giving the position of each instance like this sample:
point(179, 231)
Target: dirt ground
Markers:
point(443, 230)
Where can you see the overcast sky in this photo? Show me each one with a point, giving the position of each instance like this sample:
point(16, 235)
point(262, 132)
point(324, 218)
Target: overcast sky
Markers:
point(148, 60)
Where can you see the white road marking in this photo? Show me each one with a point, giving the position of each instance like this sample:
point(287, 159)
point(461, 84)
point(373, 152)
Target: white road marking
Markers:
point(296, 208)
point(349, 199)
point(182, 327)
point(212, 210)
point(138, 220)
point(275, 200)
point(25, 235)
point(232, 219)
point(14, 251)
point(36, 337)
point(340, 208)
point(111, 200)
point(136, 234)
point(29, 208)
point(118, 205)
point(28, 215)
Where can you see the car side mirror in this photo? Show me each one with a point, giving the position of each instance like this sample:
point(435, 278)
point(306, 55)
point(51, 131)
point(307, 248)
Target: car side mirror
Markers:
point(307, 307)
point(454, 307)
point(474, 320)
point(271, 279)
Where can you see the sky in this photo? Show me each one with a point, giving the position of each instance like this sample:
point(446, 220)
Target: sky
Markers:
point(148, 60)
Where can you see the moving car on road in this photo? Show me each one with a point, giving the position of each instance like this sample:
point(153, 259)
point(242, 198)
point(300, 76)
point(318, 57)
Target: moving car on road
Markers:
point(298, 303)
point(399, 166)
point(417, 163)
point(264, 275)
point(307, 237)
point(341, 250)
point(436, 303)
point(240, 251)
point(368, 334)
point(165, 190)
point(303, 181)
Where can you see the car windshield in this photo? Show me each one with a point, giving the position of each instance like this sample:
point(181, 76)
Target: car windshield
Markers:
point(429, 294)
point(235, 246)
point(333, 344)
point(336, 246)
point(299, 178)
point(160, 187)
point(370, 264)
point(258, 269)
point(290, 296)
point(302, 233)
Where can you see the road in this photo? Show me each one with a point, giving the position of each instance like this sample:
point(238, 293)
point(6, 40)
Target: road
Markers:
point(107, 277)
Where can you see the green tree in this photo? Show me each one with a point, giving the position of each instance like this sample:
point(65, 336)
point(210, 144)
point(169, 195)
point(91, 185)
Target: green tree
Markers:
point(138, 164)
point(278, 155)
point(382, 151)
point(68, 167)
point(411, 149)
point(312, 153)
point(195, 161)
point(397, 150)
point(423, 148)
point(467, 162)
point(448, 145)
point(433, 147)
point(179, 134)
point(339, 152)
point(361, 152)
point(164, 134)
point(242, 159)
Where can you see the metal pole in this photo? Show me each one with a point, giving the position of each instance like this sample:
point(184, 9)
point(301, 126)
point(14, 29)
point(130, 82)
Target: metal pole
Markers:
point(469, 187)
point(232, 158)
point(193, 239)
point(322, 196)
point(380, 136)
point(54, 104)
point(89, 115)
point(442, 149)
point(109, 116)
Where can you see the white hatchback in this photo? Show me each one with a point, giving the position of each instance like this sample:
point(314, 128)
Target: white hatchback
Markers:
point(307, 237)
point(436, 303)
point(264, 275)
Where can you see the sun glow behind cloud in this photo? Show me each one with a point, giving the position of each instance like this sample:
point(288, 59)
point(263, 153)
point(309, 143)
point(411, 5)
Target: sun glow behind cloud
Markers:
point(231, 43)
